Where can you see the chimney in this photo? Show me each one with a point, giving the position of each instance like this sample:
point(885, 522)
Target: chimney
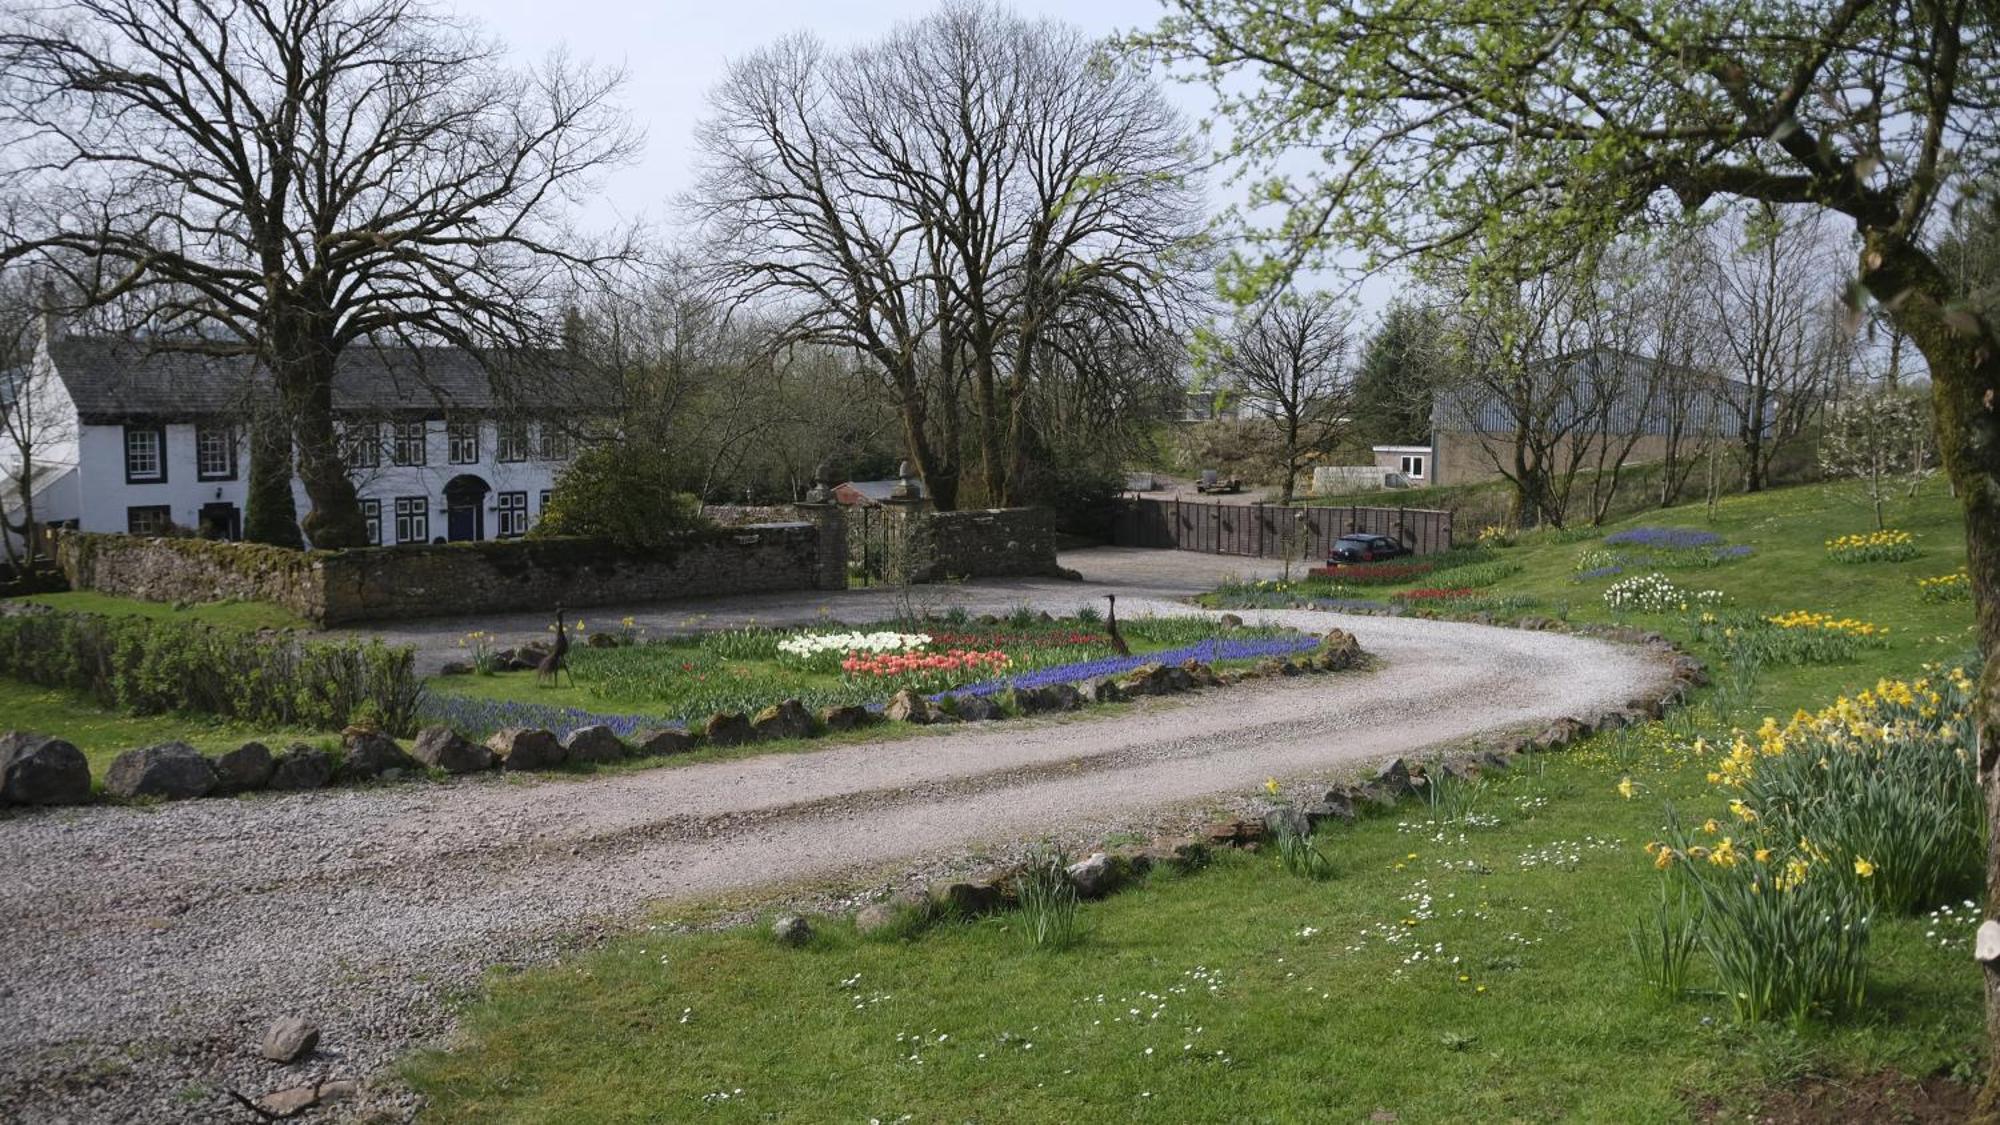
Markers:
point(53, 326)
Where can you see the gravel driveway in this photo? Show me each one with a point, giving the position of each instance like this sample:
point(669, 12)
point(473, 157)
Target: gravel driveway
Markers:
point(146, 949)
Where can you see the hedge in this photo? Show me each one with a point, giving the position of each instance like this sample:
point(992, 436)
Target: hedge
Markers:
point(146, 666)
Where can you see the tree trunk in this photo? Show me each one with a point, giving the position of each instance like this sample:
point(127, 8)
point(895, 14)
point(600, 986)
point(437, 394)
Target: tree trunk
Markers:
point(303, 360)
point(1965, 373)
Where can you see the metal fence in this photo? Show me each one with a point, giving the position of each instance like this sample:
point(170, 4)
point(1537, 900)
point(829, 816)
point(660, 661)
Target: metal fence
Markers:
point(1268, 530)
point(875, 543)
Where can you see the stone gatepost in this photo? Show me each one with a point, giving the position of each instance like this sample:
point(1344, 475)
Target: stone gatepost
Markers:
point(829, 522)
point(913, 557)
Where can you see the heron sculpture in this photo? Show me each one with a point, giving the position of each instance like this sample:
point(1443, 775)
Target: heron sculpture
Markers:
point(551, 667)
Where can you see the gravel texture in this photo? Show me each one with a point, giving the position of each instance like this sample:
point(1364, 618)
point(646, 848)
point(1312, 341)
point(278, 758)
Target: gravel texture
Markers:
point(147, 949)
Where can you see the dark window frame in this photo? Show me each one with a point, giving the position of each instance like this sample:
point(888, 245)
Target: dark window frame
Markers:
point(228, 433)
point(552, 443)
point(514, 504)
point(409, 510)
point(166, 515)
point(361, 437)
point(403, 439)
point(511, 442)
point(371, 518)
point(458, 430)
point(159, 434)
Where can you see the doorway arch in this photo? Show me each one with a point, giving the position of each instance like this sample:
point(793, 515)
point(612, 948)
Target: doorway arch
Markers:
point(465, 508)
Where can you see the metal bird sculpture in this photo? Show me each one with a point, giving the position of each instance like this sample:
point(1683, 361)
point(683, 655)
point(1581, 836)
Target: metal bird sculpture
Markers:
point(1118, 644)
point(551, 667)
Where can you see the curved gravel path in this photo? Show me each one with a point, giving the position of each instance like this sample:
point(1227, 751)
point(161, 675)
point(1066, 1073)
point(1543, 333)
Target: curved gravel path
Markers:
point(146, 949)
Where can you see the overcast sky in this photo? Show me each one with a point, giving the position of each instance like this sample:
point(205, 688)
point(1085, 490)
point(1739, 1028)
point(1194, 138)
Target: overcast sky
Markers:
point(675, 52)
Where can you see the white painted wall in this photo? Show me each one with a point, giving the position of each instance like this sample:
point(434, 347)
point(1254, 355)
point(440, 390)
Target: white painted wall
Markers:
point(104, 495)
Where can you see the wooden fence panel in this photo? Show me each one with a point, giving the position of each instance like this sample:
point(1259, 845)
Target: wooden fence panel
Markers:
point(1265, 530)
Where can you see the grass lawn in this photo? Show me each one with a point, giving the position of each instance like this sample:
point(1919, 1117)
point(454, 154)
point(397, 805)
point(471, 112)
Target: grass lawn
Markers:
point(102, 735)
point(1480, 972)
point(241, 615)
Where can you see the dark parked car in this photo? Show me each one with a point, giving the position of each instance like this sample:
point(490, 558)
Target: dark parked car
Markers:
point(1364, 548)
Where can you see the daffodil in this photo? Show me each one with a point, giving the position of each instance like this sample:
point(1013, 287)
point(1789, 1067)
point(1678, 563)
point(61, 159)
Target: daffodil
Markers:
point(1863, 868)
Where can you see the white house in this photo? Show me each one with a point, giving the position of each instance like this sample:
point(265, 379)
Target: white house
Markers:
point(141, 440)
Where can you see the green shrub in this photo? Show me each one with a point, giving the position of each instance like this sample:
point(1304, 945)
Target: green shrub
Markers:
point(621, 493)
point(146, 666)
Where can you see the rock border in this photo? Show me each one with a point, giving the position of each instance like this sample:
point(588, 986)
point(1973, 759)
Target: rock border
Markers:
point(369, 756)
point(1106, 868)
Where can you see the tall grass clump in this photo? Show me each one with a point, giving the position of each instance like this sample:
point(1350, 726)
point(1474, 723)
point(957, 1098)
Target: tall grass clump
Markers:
point(1049, 901)
point(1301, 857)
point(1664, 943)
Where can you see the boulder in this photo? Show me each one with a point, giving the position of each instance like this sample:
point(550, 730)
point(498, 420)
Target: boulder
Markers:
point(173, 771)
point(245, 768)
point(601, 640)
point(1560, 733)
point(526, 748)
point(442, 748)
point(1287, 820)
point(455, 668)
point(1200, 674)
point(847, 717)
point(969, 899)
point(1333, 806)
point(1395, 779)
point(1338, 651)
point(1228, 621)
point(1097, 874)
point(907, 706)
point(1234, 832)
point(1054, 697)
point(593, 745)
point(792, 930)
point(302, 767)
point(875, 917)
point(290, 1038)
point(660, 743)
point(369, 754)
point(37, 769)
point(788, 719)
point(1104, 690)
point(1146, 679)
point(978, 708)
point(726, 728)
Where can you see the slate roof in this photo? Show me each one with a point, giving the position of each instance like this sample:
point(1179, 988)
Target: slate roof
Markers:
point(1712, 403)
point(878, 491)
point(114, 380)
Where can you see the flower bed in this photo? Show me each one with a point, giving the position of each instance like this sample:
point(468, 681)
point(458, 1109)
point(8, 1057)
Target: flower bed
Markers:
point(1946, 588)
point(1794, 637)
point(1655, 593)
point(1875, 546)
point(1870, 804)
point(1436, 594)
point(686, 679)
point(1656, 548)
point(1373, 574)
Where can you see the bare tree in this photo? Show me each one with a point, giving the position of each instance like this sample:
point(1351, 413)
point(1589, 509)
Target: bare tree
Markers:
point(1520, 390)
point(33, 428)
point(1775, 317)
point(286, 179)
point(1288, 360)
point(938, 202)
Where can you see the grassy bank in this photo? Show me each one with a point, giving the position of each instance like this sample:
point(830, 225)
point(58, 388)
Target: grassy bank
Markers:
point(1463, 964)
point(239, 615)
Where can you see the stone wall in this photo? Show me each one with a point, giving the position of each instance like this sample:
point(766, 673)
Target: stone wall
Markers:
point(980, 543)
point(194, 570)
point(448, 579)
